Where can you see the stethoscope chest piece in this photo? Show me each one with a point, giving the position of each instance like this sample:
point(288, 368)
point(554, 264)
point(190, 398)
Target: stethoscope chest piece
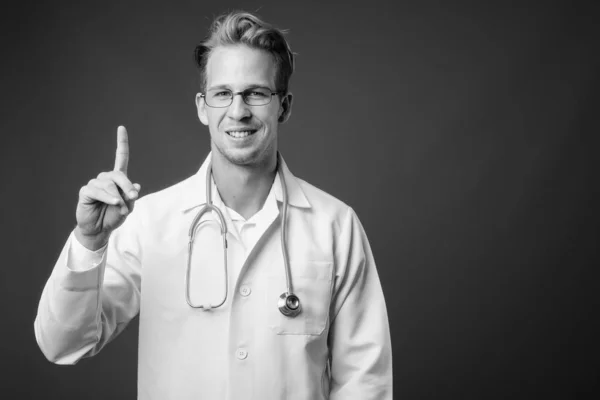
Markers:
point(289, 304)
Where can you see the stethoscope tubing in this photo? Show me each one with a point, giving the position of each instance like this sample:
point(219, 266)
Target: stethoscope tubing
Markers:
point(289, 304)
point(209, 206)
point(284, 206)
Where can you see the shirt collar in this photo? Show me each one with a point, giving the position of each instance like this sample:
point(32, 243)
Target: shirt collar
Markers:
point(268, 212)
point(194, 189)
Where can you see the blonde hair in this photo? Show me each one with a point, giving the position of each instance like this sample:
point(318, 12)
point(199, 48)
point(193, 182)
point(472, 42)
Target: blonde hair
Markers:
point(240, 27)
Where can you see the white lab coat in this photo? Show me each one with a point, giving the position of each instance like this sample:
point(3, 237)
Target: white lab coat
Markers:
point(338, 347)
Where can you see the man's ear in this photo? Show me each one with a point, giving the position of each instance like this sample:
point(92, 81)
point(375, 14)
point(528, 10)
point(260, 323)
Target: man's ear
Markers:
point(201, 106)
point(285, 108)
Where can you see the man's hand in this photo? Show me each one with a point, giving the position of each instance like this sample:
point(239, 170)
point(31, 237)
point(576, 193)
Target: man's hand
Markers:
point(105, 202)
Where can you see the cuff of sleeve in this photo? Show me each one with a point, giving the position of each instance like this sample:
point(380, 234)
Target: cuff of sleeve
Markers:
point(81, 258)
point(82, 268)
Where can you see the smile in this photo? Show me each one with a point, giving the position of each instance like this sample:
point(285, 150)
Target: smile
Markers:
point(241, 134)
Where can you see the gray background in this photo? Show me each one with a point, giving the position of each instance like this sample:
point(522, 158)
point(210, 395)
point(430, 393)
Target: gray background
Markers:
point(461, 133)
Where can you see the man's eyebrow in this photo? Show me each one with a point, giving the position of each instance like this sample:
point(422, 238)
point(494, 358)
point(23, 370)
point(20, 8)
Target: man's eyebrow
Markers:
point(218, 87)
point(252, 86)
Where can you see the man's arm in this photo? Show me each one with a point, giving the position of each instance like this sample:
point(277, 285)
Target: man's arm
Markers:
point(359, 337)
point(90, 297)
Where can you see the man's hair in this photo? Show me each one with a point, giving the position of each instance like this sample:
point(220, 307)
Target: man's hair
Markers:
point(240, 27)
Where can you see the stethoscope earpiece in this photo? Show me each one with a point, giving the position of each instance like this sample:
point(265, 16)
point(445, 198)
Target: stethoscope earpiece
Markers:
point(289, 304)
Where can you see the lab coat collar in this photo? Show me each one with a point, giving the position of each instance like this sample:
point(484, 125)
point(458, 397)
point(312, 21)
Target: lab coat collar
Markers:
point(194, 193)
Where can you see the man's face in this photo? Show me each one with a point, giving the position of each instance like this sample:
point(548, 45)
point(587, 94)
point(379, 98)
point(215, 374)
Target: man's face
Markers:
point(238, 68)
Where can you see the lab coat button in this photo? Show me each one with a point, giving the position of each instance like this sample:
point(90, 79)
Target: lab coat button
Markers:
point(245, 291)
point(241, 354)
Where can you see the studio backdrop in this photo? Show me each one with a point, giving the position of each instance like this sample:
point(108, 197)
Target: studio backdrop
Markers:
point(461, 133)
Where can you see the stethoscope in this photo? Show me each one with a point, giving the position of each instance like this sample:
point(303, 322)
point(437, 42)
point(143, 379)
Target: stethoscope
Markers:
point(288, 303)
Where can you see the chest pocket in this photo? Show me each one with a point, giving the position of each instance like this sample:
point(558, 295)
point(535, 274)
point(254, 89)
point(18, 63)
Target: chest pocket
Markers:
point(312, 283)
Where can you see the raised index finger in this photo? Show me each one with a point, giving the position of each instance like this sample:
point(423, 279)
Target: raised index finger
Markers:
point(122, 154)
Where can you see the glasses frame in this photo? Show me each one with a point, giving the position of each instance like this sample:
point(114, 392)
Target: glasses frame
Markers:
point(241, 93)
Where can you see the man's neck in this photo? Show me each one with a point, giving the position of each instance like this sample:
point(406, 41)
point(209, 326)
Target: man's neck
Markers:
point(243, 188)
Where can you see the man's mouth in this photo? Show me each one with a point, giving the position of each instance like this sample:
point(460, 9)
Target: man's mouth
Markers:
point(240, 134)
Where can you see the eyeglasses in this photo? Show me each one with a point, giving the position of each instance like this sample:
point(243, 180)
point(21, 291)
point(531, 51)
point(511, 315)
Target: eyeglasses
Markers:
point(221, 98)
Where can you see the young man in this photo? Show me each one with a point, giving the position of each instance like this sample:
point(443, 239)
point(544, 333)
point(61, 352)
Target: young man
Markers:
point(259, 315)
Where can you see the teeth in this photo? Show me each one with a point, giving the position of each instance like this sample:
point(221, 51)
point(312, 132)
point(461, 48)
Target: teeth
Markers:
point(239, 134)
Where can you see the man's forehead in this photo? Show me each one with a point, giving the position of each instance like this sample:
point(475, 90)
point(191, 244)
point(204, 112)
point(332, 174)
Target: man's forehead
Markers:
point(240, 65)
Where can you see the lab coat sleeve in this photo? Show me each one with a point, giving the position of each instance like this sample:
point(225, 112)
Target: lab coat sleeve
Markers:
point(81, 257)
point(359, 336)
point(84, 305)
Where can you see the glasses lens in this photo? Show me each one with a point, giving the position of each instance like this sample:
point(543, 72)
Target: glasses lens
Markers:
point(257, 96)
point(218, 98)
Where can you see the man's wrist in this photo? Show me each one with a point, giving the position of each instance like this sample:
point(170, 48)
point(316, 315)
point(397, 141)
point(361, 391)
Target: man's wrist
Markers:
point(91, 242)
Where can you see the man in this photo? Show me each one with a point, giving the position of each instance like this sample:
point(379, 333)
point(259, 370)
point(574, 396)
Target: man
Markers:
point(212, 329)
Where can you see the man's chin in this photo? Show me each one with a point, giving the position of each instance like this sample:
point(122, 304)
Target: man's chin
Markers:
point(240, 156)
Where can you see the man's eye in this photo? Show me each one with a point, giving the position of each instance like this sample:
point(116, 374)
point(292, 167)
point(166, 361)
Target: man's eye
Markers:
point(222, 94)
point(255, 93)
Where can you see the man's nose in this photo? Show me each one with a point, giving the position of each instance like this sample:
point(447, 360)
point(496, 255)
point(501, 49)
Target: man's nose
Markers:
point(238, 109)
